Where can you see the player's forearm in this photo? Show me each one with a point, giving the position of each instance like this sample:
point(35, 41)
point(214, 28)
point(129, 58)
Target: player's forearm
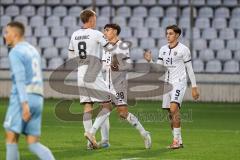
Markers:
point(191, 74)
point(21, 89)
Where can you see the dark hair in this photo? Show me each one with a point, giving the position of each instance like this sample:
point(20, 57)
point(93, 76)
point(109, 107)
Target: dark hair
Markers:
point(175, 28)
point(17, 25)
point(86, 14)
point(113, 26)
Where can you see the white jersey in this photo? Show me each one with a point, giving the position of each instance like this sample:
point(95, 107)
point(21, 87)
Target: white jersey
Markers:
point(174, 60)
point(85, 43)
point(122, 52)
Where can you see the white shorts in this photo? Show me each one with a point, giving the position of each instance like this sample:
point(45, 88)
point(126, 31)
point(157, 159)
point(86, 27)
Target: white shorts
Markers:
point(93, 92)
point(175, 95)
point(119, 93)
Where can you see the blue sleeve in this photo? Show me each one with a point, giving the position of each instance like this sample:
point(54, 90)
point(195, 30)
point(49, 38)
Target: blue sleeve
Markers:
point(18, 72)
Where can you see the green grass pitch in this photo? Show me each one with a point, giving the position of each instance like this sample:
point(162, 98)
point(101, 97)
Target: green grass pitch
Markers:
point(211, 131)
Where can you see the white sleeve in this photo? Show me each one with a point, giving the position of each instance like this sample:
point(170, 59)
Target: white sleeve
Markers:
point(71, 53)
point(160, 57)
point(191, 73)
point(186, 55)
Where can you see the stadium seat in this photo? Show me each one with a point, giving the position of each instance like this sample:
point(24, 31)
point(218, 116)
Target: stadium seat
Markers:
point(4, 20)
point(60, 11)
point(161, 42)
point(126, 32)
point(37, 2)
point(32, 40)
point(216, 44)
point(233, 44)
point(58, 31)
point(119, 20)
point(117, 3)
point(45, 42)
point(237, 55)
point(133, 41)
point(148, 2)
point(1, 40)
point(231, 66)
point(234, 23)
point(102, 21)
point(52, 21)
point(55, 62)
point(85, 2)
point(213, 66)
point(226, 33)
point(230, 3)
point(28, 11)
point(41, 31)
point(236, 12)
point(44, 11)
point(214, 2)
point(199, 44)
point(152, 22)
point(64, 53)
point(156, 11)
point(140, 32)
point(50, 52)
point(21, 19)
point(140, 11)
point(184, 22)
point(158, 33)
point(202, 23)
point(222, 12)
point(107, 11)
point(1, 10)
point(53, 2)
point(198, 65)
point(72, 29)
point(102, 2)
point(7, 2)
point(12, 10)
point(124, 11)
point(43, 63)
point(69, 21)
point(21, 2)
point(224, 55)
point(62, 42)
point(198, 2)
point(75, 11)
point(136, 53)
point(206, 54)
point(136, 22)
point(28, 31)
point(36, 21)
point(205, 12)
point(165, 3)
point(167, 21)
point(185, 41)
point(186, 12)
point(238, 34)
point(132, 2)
point(209, 33)
point(3, 51)
point(172, 12)
point(155, 53)
point(147, 43)
point(195, 33)
point(219, 23)
point(4, 63)
point(69, 2)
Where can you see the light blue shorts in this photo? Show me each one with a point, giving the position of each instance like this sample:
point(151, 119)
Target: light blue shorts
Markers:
point(14, 122)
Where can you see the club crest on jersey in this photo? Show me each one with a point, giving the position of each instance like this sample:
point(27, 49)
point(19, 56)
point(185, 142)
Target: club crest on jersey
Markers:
point(175, 53)
point(164, 53)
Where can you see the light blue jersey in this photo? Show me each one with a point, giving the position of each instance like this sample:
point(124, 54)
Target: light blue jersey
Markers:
point(27, 86)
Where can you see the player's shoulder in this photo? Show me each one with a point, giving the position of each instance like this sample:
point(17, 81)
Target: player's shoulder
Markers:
point(182, 46)
point(164, 47)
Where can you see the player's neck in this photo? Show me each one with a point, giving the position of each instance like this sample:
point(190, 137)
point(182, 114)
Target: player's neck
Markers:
point(173, 44)
point(114, 40)
point(87, 25)
point(18, 40)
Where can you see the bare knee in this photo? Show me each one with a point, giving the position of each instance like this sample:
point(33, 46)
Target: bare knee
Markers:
point(32, 139)
point(122, 112)
point(12, 137)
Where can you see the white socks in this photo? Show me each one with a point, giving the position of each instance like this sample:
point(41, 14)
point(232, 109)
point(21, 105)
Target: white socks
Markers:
point(87, 121)
point(105, 130)
point(134, 121)
point(177, 134)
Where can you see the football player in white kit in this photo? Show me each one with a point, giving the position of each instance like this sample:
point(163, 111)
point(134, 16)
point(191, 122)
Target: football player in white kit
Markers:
point(116, 63)
point(85, 46)
point(176, 57)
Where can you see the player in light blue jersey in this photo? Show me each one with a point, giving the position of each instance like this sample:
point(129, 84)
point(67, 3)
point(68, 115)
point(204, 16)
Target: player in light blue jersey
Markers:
point(26, 101)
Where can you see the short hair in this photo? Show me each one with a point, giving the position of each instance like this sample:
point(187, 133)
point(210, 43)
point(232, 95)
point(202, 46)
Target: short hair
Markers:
point(86, 14)
point(175, 28)
point(17, 25)
point(113, 26)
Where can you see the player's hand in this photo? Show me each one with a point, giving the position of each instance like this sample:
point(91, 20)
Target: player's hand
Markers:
point(147, 55)
point(26, 115)
point(195, 93)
